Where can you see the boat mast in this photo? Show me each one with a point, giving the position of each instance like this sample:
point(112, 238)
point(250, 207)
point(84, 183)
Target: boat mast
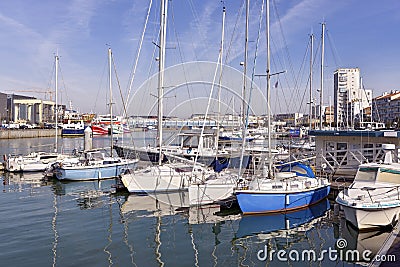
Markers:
point(56, 106)
point(220, 81)
point(244, 103)
point(268, 91)
point(111, 103)
point(311, 73)
point(321, 90)
point(161, 65)
point(244, 109)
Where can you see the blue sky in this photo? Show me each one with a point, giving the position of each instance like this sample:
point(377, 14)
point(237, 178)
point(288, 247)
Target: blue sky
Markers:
point(360, 33)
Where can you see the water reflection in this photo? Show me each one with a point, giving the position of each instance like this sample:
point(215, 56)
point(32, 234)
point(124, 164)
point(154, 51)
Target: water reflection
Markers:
point(88, 194)
point(262, 225)
point(19, 182)
point(358, 243)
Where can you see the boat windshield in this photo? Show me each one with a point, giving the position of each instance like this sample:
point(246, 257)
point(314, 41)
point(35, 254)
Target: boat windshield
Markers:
point(389, 176)
point(366, 174)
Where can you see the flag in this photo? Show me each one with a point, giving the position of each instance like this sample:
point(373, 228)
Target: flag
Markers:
point(276, 84)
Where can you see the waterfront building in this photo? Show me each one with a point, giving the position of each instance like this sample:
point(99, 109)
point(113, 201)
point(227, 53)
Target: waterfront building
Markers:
point(20, 108)
point(386, 108)
point(349, 96)
point(291, 119)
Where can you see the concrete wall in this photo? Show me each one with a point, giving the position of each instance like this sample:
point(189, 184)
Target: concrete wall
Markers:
point(27, 133)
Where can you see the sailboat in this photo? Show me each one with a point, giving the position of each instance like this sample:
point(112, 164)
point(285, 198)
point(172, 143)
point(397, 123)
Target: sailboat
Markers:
point(37, 161)
point(93, 164)
point(220, 186)
point(280, 191)
point(164, 177)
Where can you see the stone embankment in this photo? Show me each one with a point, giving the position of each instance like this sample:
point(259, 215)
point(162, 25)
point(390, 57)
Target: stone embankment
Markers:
point(27, 133)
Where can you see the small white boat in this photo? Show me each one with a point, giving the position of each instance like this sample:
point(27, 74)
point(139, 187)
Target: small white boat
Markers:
point(33, 162)
point(373, 199)
point(93, 165)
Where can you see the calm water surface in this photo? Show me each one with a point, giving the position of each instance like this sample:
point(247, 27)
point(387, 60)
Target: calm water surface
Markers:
point(84, 224)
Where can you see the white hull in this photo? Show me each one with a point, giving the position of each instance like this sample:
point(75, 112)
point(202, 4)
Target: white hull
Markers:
point(367, 219)
point(164, 178)
point(208, 193)
point(373, 199)
point(34, 162)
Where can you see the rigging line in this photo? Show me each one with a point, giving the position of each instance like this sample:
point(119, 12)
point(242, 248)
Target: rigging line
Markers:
point(196, 20)
point(181, 57)
point(274, 63)
point(138, 55)
point(238, 18)
point(283, 38)
point(254, 62)
point(63, 82)
point(334, 52)
point(306, 87)
point(119, 85)
point(100, 87)
point(53, 69)
point(203, 39)
point(149, 71)
point(209, 101)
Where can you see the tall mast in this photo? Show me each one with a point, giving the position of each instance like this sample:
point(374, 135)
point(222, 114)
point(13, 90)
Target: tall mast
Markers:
point(268, 91)
point(244, 103)
point(311, 73)
point(221, 54)
point(161, 65)
point(56, 106)
point(246, 40)
point(111, 103)
point(321, 90)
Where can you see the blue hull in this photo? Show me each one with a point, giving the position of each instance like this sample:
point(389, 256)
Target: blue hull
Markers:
point(72, 132)
point(251, 225)
point(93, 172)
point(253, 202)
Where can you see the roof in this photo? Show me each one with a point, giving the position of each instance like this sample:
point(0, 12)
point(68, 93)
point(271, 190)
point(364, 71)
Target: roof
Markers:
point(392, 95)
point(355, 133)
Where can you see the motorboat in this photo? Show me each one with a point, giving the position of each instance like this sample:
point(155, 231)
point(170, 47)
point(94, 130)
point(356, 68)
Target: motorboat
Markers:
point(373, 199)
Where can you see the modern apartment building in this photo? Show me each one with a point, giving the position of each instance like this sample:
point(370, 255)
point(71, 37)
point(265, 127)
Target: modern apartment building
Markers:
point(386, 108)
point(349, 97)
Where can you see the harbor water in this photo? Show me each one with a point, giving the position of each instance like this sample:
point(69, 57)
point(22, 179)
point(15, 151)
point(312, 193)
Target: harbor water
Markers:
point(53, 223)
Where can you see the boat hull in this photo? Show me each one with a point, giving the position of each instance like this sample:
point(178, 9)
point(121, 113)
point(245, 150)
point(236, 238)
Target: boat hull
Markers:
point(72, 132)
point(137, 183)
point(258, 202)
point(365, 219)
point(208, 193)
point(82, 173)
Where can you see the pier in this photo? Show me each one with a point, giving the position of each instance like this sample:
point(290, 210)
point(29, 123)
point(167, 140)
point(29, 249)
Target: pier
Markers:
point(28, 133)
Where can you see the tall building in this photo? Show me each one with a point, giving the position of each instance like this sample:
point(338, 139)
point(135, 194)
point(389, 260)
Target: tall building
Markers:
point(350, 99)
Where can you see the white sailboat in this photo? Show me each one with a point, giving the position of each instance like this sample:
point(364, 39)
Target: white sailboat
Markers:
point(37, 161)
point(220, 186)
point(92, 164)
point(169, 176)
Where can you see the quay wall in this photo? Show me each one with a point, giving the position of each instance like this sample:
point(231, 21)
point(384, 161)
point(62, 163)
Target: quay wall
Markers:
point(27, 133)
